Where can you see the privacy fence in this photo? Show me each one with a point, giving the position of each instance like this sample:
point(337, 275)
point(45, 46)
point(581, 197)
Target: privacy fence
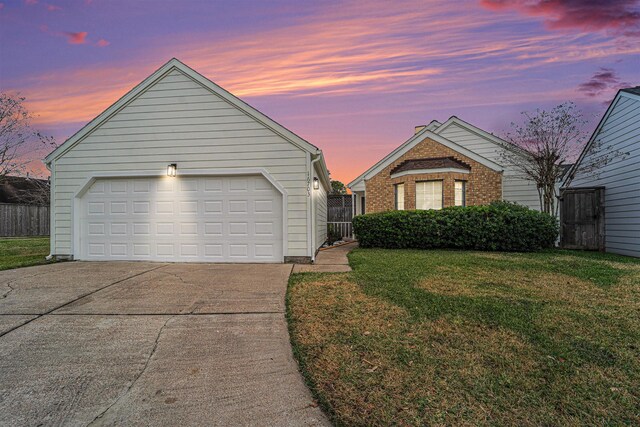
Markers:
point(339, 215)
point(23, 220)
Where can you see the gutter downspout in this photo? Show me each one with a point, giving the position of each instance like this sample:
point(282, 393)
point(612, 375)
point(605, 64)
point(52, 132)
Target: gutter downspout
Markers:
point(312, 208)
point(51, 204)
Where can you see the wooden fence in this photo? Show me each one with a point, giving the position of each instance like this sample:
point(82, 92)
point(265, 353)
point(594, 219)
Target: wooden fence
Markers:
point(339, 215)
point(23, 220)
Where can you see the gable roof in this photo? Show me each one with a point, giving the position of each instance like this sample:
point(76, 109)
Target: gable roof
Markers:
point(430, 163)
point(428, 132)
point(482, 133)
point(175, 64)
point(631, 93)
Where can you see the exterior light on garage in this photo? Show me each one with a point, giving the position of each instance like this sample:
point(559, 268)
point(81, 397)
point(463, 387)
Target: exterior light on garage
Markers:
point(316, 183)
point(171, 169)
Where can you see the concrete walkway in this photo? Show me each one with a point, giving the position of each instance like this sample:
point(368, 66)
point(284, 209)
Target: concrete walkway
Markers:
point(330, 260)
point(123, 343)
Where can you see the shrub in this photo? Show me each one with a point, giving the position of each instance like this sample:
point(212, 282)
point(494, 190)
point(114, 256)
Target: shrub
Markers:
point(500, 226)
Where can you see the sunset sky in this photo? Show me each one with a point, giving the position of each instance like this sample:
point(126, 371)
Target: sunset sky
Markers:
point(351, 77)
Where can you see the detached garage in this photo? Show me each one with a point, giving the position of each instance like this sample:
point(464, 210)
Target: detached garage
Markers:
point(181, 170)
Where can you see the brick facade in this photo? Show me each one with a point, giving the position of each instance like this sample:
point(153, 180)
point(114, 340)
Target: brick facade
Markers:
point(483, 185)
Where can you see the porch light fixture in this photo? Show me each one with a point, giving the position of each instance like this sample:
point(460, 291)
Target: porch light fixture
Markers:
point(171, 169)
point(316, 183)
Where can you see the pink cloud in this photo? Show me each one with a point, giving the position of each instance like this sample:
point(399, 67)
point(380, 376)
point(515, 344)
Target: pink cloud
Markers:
point(53, 8)
point(30, 2)
point(620, 16)
point(74, 37)
point(1, 6)
point(77, 38)
point(603, 80)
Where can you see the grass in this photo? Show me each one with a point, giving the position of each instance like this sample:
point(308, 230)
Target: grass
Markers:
point(472, 338)
point(23, 252)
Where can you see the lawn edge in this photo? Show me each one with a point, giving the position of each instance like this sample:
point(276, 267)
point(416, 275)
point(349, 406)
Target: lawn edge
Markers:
point(297, 351)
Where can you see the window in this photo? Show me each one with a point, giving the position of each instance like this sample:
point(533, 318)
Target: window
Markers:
point(461, 193)
point(399, 196)
point(429, 195)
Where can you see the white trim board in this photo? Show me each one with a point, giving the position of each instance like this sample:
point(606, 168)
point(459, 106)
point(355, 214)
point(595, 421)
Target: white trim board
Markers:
point(76, 206)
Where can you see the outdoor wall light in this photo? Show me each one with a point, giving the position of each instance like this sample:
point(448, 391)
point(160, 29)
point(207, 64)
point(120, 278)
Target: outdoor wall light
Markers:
point(316, 183)
point(171, 169)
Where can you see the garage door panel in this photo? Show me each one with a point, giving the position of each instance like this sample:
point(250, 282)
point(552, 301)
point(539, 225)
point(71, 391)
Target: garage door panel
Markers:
point(210, 219)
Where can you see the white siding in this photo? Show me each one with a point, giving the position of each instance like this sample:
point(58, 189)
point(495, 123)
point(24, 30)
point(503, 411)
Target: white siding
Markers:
point(320, 206)
point(177, 120)
point(514, 188)
point(621, 177)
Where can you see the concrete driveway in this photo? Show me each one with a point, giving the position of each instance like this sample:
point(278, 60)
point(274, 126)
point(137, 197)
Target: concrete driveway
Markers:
point(148, 344)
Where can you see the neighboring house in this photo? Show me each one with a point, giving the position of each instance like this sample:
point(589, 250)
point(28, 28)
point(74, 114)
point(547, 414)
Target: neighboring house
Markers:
point(18, 190)
point(443, 164)
point(179, 169)
point(618, 132)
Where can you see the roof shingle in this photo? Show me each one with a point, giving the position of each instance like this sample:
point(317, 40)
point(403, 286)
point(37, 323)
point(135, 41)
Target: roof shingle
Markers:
point(633, 90)
point(430, 163)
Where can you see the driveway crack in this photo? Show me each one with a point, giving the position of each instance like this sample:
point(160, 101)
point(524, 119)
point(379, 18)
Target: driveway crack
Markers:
point(51, 311)
point(11, 289)
point(10, 282)
point(144, 368)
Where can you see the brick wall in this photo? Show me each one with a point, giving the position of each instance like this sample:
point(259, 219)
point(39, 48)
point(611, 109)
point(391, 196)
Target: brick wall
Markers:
point(483, 185)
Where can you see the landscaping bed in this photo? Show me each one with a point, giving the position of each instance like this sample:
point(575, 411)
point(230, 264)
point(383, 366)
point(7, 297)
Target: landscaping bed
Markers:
point(442, 337)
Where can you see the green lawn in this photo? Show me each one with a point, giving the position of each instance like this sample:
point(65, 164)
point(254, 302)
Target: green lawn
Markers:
point(452, 338)
point(22, 252)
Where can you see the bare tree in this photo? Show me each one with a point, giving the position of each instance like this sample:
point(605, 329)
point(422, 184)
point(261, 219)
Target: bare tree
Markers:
point(17, 138)
point(546, 144)
point(38, 192)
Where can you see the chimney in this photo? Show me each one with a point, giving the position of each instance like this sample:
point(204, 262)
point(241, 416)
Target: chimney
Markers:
point(419, 128)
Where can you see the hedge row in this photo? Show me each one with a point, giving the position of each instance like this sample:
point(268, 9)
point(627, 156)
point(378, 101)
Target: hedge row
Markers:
point(500, 226)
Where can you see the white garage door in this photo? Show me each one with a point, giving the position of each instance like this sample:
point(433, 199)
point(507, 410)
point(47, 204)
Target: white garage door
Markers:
point(206, 219)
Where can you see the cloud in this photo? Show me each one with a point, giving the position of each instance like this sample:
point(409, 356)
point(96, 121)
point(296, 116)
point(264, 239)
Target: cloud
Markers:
point(603, 80)
point(342, 51)
point(619, 16)
point(80, 37)
point(1, 6)
point(52, 7)
point(30, 2)
point(77, 38)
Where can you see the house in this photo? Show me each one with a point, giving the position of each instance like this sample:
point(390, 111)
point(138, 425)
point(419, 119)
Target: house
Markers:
point(617, 140)
point(179, 169)
point(443, 164)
